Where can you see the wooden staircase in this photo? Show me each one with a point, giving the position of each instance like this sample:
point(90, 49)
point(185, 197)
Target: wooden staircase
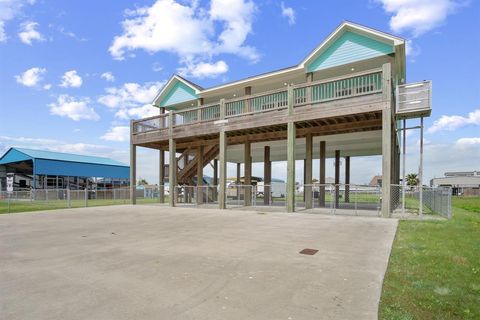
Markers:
point(186, 172)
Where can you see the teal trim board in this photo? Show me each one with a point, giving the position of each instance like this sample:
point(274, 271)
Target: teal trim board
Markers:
point(348, 48)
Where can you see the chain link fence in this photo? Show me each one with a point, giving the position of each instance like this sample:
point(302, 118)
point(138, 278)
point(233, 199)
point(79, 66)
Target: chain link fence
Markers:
point(406, 199)
point(47, 199)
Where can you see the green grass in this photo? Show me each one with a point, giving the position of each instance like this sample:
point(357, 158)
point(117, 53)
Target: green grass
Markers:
point(434, 269)
point(26, 206)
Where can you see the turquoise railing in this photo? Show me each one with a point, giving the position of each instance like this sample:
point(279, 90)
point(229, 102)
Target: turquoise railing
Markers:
point(359, 85)
point(306, 93)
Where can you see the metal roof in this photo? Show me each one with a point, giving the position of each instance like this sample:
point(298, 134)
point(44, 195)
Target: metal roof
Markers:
point(64, 164)
point(60, 156)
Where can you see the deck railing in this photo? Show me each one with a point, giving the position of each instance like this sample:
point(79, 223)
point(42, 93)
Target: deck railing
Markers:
point(151, 123)
point(359, 84)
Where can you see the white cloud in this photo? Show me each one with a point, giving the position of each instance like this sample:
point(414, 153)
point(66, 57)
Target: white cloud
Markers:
point(237, 16)
point(132, 99)
point(451, 123)
point(108, 76)
point(193, 33)
point(130, 94)
point(73, 108)
point(468, 142)
point(28, 33)
point(204, 69)
point(119, 134)
point(32, 77)
point(48, 86)
point(144, 111)
point(418, 16)
point(289, 13)
point(71, 79)
point(9, 9)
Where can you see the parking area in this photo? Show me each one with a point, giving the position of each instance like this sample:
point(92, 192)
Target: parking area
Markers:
point(157, 262)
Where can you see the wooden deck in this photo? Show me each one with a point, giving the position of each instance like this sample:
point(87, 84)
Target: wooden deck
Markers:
point(333, 106)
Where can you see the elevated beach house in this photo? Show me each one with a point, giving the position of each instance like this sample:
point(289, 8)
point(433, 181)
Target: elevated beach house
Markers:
point(347, 98)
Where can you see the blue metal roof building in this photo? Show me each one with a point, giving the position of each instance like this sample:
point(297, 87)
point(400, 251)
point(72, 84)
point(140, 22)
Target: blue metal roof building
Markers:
point(47, 163)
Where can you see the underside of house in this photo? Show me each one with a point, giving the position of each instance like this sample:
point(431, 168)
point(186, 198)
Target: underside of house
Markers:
point(347, 98)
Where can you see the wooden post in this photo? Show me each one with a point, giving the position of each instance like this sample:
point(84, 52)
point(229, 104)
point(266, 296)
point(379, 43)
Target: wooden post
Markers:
point(237, 182)
point(215, 178)
point(308, 90)
point(172, 162)
point(247, 106)
point(248, 174)
point(291, 136)
point(267, 175)
point(337, 177)
point(222, 159)
point(200, 174)
point(347, 179)
point(161, 176)
point(308, 171)
point(386, 139)
point(321, 179)
point(133, 167)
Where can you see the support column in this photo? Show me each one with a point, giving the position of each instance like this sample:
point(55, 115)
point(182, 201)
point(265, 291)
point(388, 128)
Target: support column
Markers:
point(386, 139)
point(321, 179)
point(161, 170)
point(347, 179)
point(248, 174)
point(200, 189)
point(337, 177)
point(133, 167)
point(222, 159)
point(172, 163)
point(215, 178)
point(308, 171)
point(161, 176)
point(267, 175)
point(237, 182)
point(291, 137)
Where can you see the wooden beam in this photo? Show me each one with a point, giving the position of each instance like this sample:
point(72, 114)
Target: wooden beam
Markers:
point(347, 179)
point(386, 140)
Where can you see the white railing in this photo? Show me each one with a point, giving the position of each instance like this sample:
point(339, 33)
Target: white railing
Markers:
point(414, 97)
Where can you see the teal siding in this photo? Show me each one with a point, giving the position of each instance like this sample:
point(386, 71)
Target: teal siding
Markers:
point(180, 92)
point(350, 47)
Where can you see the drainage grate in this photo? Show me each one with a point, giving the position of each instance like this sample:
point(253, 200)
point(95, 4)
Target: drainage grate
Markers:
point(309, 252)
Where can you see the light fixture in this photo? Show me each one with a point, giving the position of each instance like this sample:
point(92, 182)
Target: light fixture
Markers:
point(353, 69)
point(285, 83)
point(234, 95)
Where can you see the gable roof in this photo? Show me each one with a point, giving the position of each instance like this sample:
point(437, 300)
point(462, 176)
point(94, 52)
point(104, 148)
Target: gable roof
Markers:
point(21, 154)
point(172, 82)
point(344, 27)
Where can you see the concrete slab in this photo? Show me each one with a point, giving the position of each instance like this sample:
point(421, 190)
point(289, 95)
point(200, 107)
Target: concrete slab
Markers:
point(156, 262)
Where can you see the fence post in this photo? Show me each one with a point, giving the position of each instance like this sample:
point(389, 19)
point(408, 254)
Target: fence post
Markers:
point(68, 199)
point(86, 197)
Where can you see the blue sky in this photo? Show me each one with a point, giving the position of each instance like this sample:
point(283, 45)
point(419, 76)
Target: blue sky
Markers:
point(73, 72)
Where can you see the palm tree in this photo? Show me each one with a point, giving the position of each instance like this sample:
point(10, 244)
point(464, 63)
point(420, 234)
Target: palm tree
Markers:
point(412, 179)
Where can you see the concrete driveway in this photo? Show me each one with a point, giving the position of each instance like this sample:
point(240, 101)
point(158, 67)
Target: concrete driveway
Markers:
point(155, 262)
